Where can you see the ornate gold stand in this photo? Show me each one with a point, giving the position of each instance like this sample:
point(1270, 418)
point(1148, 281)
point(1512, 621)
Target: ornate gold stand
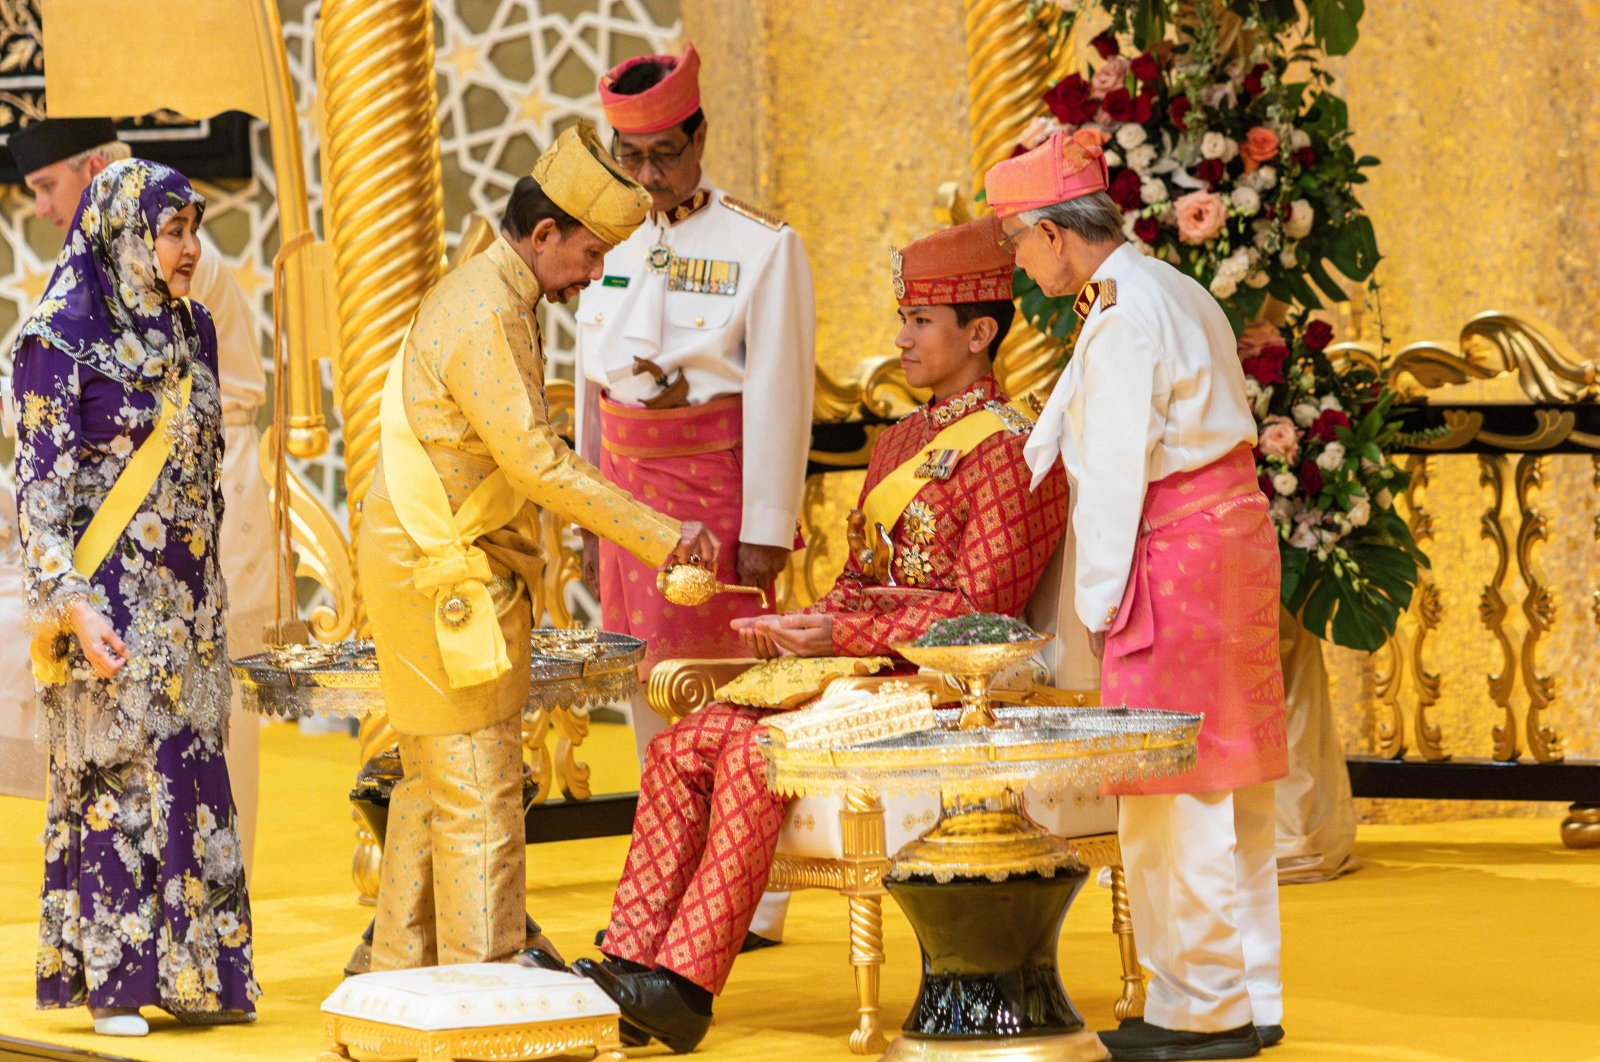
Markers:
point(1081, 1046)
point(374, 1041)
point(987, 836)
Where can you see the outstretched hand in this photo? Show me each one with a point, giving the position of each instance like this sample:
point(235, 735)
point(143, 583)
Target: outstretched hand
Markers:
point(804, 634)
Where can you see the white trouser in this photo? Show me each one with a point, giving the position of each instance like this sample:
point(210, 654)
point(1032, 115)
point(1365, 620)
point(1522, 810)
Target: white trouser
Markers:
point(774, 906)
point(1203, 892)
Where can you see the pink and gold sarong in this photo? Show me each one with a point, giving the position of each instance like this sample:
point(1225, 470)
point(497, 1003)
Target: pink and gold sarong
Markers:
point(1197, 630)
point(687, 463)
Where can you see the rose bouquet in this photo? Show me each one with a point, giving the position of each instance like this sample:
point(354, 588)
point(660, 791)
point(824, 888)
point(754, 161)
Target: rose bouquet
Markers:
point(1229, 155)
point(1326, 433)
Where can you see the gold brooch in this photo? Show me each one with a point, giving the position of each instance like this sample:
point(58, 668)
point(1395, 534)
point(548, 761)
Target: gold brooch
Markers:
point(897, 263)
point(913, 566)
point(455, 611)
point(919, 523)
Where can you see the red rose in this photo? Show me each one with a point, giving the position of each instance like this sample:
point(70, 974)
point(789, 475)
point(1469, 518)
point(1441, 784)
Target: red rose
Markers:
point(1327, 421)
point(1144, 105)
point(1146, 68)
point(1070, 101)
point(1177, 109)
point(1124, 190)
point(1266, 368)
point(1252, 80)
point(1264, 480)
point(1106, 45)
point(1147, 229)
point(1306, 157)
point(1118, 105)
point(1210, 171)
point(1311, 479)
point(1318, 335)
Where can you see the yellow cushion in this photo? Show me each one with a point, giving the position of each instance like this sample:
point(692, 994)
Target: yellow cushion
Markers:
point(790, 681)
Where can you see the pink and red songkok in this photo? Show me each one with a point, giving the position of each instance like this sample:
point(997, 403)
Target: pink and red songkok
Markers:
point(1059, 169)
point(661, 106)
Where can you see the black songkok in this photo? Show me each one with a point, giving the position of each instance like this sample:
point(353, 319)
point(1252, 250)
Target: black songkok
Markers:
point(38, 144)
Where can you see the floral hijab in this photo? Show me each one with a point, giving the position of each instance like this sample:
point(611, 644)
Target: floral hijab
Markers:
point(108, 306)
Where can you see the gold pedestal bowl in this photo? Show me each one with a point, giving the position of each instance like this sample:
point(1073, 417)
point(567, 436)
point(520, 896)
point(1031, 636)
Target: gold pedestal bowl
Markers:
point(973, 667)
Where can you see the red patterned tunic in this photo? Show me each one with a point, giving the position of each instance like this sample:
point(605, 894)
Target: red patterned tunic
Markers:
point(706, 827)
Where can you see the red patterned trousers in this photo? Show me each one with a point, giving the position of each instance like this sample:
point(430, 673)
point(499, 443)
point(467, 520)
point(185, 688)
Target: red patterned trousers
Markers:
point(702, 844)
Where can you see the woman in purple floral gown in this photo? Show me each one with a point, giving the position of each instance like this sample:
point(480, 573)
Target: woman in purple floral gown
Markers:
point(144, 900)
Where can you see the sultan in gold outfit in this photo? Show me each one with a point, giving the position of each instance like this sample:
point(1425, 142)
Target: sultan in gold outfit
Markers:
point(470, 397)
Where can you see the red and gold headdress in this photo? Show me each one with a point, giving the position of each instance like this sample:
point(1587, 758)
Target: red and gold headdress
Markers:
point(957, 265)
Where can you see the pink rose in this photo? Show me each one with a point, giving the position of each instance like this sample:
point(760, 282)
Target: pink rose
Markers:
point(1038, 131)
point(1200, 216)
point(1259, 145)
point(1279, 439)
point(1113, 75)
point(1256, 337)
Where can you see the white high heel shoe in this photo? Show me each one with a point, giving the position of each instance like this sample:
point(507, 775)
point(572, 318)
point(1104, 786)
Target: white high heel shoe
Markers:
point(122, 1025)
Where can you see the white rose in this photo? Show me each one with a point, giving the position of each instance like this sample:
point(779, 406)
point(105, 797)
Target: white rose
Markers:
point(1131, 136)
point(1285, 483)
point(1288, 257)
point(1252, 390)
point(1141, 158)
point(1214, 145)
point(1300, 217)
point(1330, 402)
point(1299, 138)
point(1223, 285)
point(1331, 457)
point(1384, 498)
point(1304, 414)
point(1261, 234)
point(1245, 200)
point(1261, 179)
point(1113, 160)
point(1153, 190)
point(1360, 512)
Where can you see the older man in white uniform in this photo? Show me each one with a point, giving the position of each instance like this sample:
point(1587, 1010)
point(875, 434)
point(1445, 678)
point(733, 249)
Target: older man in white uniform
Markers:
point(58, 158)
point(696, 370)
point(1177, 580)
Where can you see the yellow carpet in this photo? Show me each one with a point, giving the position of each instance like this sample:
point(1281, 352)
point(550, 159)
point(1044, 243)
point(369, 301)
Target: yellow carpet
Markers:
point(1466, 940)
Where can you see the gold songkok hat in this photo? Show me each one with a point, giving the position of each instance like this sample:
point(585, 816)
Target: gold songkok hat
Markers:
point(580, 177)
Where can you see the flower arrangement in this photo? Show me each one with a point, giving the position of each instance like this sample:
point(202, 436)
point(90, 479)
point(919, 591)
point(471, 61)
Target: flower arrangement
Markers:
point(977, 628)
point(1326, 433)
point(1228, 153)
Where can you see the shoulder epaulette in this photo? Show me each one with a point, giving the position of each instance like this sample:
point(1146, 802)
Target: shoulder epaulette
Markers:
point(1016, 421)
point(754, 213)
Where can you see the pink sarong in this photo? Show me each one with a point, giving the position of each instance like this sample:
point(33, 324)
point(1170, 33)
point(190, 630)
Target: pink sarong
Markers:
point(1197, 630)
point(687, 463)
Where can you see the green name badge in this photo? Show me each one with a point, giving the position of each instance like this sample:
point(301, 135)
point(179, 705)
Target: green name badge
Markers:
point(613, 282)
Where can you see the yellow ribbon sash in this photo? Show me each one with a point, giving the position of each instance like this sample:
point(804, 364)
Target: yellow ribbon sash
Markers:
point(888, 500)
point(116, 512)
point(454, 572)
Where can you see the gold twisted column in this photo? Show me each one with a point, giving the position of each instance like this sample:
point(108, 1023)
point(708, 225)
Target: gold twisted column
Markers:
point(1539, 606)
point(384, 201)
point(862, 827)
point(384, 215)
point(1130, 1004)
point(1008, 69)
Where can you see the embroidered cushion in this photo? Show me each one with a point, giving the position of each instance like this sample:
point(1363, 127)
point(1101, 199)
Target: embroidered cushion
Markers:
point(790, 681)
point(470, 995)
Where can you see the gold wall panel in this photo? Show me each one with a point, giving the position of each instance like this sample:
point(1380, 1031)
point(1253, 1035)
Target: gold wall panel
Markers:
point(1485, 155)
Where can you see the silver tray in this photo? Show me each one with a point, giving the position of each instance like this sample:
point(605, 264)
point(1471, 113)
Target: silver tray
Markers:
point(570, 669)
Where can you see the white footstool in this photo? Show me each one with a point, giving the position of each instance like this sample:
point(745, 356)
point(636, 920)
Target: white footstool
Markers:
point(479, 1011)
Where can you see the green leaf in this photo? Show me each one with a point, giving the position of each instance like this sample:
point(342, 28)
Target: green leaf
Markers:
point(1334, 22)
point(1355, 251)
point(1329, 286)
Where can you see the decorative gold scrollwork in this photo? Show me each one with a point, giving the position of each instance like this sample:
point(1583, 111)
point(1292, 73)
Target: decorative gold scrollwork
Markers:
point(1539, 606)
point(1537, 356)
point(1492, 608)
point(1422, 620)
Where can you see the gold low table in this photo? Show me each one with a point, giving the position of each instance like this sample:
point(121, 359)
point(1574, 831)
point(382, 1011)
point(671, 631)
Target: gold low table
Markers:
point(571, 668)
point(986, 887)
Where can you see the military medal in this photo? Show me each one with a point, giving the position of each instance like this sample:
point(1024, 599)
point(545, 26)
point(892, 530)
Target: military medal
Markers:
point(660, 258)
point(940, 464)
point(702, 276)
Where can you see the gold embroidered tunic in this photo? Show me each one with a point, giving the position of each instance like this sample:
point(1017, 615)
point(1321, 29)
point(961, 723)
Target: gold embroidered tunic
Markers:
point(474, 397)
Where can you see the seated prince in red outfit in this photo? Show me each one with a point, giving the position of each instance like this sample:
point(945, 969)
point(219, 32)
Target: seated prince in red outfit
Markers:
point(946, 526)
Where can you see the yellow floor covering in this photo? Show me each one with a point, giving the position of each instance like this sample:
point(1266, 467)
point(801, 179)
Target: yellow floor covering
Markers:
point(1465, 940)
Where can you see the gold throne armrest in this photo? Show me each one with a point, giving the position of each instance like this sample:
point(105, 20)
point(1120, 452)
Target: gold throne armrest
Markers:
point(679, 687)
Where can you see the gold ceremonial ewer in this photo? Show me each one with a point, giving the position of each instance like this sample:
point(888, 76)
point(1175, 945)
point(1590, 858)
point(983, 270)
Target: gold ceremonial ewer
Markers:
point(690, 584)
point(973, 667)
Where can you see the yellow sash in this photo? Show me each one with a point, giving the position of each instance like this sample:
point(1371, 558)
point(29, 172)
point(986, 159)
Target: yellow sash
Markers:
point(454, 571)
point(886, 501)
point(116, 512)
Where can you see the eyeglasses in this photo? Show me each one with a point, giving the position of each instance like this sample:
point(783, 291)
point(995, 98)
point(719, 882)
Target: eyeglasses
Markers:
point(634, 161)
point(1008, 240)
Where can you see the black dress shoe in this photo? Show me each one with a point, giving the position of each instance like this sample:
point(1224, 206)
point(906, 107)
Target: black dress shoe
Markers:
point(1136, 1040)
point(539, 959)
point(755, 942)
point(652, 1003)
point(1271, 1035)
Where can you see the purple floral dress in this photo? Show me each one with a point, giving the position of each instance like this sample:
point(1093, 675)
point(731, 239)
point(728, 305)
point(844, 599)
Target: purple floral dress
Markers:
point(144, 900)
